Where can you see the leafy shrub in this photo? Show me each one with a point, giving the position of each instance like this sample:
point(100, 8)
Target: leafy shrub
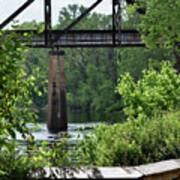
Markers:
point(128, 144)
point(24, 165)
point(15, 96)
point(157, 90)
point(15, 112)
point(152, 131)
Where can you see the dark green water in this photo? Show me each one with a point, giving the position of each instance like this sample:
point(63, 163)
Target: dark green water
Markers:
point(86, 117)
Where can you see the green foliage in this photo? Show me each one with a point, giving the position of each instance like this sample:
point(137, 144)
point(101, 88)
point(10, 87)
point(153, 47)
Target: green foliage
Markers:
point(14, 89)
point(152, 132)
point(93, 21)
point(32, 25)
point(23, 165)
point(14, 92)
point(132, 60)
point(127, 144)
point(15, 112)
point(157, 90)
point(36, 64)
point(160, 24)
point(90, 78)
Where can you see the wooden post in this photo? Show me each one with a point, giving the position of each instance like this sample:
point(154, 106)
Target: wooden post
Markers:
point(57, 115)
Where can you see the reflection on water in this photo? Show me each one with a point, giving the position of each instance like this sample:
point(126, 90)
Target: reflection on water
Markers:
point(86, 117)
point(79, 123)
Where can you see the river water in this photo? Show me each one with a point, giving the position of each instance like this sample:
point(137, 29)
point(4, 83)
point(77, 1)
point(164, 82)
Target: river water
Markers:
point(79, 123)
point(75, 132)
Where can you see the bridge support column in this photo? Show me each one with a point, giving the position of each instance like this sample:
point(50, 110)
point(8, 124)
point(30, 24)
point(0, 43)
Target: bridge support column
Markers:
point(57, 115)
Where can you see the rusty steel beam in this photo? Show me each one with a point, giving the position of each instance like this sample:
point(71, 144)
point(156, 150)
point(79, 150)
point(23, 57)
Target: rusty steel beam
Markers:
point(85, 38)
point(48, 26)
point(113, 21)
point(116, 21)
point(16, 13)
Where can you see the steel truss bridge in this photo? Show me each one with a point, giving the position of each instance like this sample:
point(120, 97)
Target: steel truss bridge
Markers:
point(116, 37)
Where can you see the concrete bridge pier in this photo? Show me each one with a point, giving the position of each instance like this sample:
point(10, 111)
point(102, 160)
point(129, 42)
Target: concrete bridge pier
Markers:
point(57, 115)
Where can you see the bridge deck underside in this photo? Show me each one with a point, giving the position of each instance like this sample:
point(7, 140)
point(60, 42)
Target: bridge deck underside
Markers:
point(76, 38)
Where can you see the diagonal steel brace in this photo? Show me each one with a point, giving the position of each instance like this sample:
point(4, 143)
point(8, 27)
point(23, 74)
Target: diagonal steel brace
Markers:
point(78, 19)
point(16, 13)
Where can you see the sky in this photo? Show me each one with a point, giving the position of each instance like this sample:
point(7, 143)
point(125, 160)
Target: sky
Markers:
point(36, 10)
